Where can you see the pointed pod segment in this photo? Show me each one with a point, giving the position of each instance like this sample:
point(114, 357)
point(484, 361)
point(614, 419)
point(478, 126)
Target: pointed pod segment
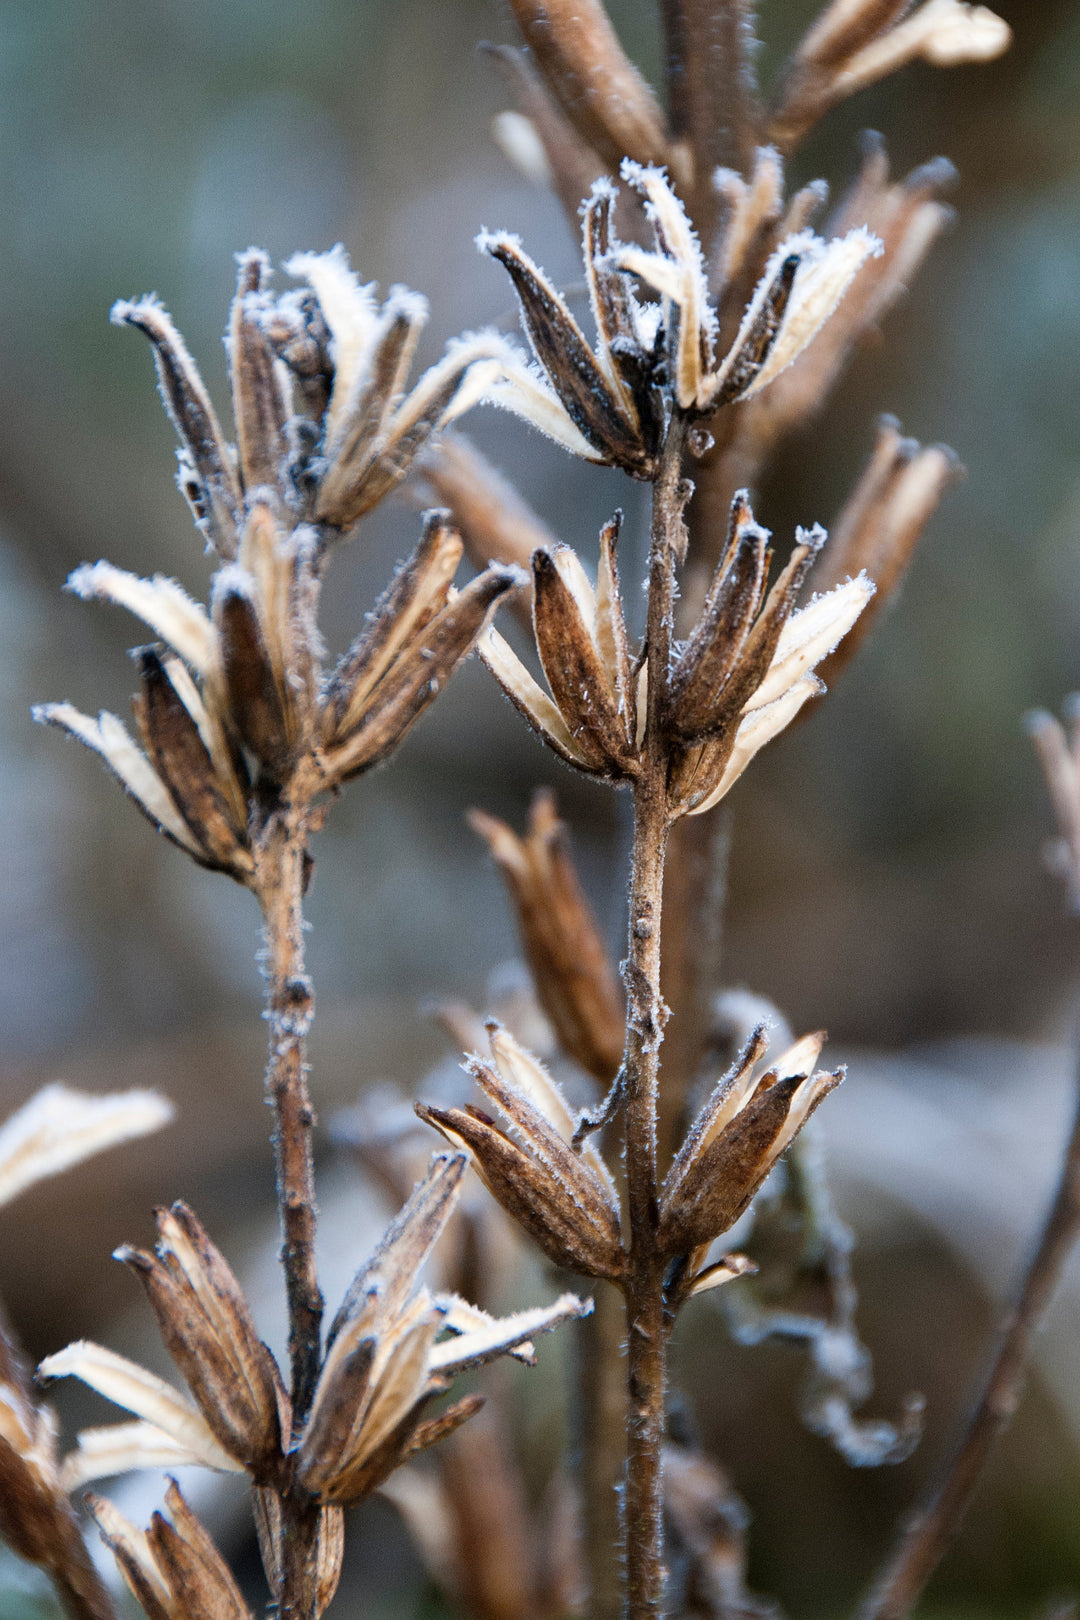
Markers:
point(743, 1129)
point(529, 1192)
point(417, 675)
point(565, 629)
point(207, 1327)
point(567, 957)
point(188, 404)
point(181, 759)
point(173, 1568)
point(601, 413)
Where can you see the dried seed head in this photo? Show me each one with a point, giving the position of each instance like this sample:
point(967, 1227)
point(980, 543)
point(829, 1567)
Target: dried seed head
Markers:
point(233, 714)
point(881, 524)
point(592, 715)
point(173, 1568)
point(567, 958)
point(745, 1125)
point(746, 670)
point(208, 1330)
point(564, 1199)
point(385, 1359)
point(589, 411)
point(392, 675)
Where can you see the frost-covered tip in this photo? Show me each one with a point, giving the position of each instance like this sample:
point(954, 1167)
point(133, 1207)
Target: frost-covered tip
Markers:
point(821, 273)
point(747, 668)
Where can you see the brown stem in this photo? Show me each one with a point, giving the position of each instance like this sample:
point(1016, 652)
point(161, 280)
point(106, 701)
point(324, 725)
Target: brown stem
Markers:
point(282, 859)
point(923, 1542)
point(602, 1445)
point(646, 1013)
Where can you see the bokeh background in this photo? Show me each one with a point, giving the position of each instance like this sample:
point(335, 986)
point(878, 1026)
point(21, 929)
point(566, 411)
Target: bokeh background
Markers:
point(886, 878)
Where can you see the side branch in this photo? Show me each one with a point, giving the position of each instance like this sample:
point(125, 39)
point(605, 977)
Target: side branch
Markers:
point(924, 1541)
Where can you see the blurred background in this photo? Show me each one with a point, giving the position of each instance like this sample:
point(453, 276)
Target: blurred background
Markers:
point(886, 878)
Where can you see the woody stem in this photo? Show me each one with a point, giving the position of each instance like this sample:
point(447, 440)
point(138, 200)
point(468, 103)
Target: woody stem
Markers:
point(281, 864)
point(645, 1316)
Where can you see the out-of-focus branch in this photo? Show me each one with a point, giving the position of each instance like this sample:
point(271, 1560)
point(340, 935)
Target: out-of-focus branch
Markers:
point(712, 93)
point(923, 1542)
point(1059, 755)
point(707, 1524)
point(854, 43)
point(601, 92)
point(881, 524)
point(540, 129)
point(495, 522)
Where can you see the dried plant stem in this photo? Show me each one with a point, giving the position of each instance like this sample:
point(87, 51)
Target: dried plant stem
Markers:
point(923, 1542)
point(602, 1398)
point(282, 862)
point(645, 1314)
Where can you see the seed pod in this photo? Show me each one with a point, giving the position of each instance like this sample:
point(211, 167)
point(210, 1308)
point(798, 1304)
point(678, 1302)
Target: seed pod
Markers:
point(251, 690)
point(261, 407)
point(575, 671)
point(418, 675)
point(174, 1570)
point(706, 663)
point(179, 755)
point(603, 415)
point(188, 404)
point(567, 957)
point(717, 1182)
point(207, 1327)
point(417, 592)
point(543, 1205)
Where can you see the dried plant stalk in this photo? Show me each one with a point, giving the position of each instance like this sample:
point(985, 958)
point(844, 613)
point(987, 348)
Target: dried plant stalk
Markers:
point(924, 1541)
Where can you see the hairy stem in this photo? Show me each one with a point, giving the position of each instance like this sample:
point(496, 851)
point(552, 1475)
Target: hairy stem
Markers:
point(646, 1013)
point(923, 1542)
point(602, 1446)
point(281, 855)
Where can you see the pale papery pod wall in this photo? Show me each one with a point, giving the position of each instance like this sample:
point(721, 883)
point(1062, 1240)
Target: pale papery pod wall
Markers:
point(899, 895)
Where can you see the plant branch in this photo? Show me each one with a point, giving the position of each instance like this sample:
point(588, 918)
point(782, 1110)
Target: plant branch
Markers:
point(923, 1542)
point(646, 1013)
point(281, 869)
point(602, 1445)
